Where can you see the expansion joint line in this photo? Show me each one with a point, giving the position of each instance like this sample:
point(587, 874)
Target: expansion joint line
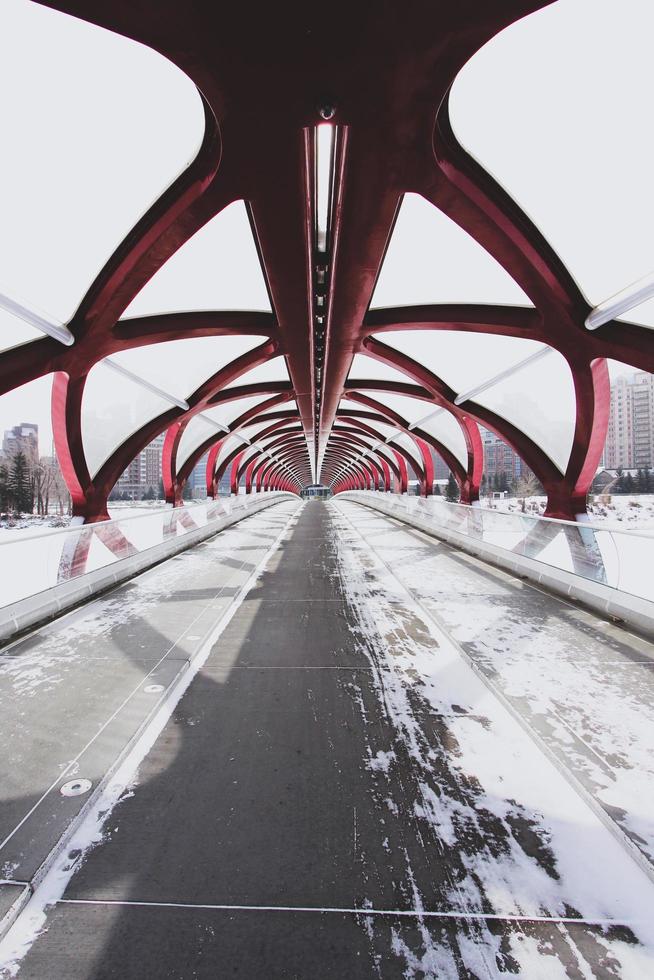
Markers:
point(364, 911)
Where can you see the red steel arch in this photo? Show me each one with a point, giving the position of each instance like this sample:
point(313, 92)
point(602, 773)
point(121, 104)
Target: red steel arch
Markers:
point(265, 158)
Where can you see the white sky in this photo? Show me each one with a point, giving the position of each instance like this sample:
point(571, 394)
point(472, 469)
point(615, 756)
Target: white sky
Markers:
point(556, 140)
point(556, 107)
point(101, 126)
point(430, 259)
point(217, 269)
point(31, 403)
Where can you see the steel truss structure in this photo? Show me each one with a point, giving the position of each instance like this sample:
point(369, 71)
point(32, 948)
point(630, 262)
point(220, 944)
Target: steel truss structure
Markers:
point(378, 77)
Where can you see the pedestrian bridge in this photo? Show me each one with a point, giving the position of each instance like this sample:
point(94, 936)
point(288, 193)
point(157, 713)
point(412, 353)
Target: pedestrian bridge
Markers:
point(295, 259)
point(325, 743)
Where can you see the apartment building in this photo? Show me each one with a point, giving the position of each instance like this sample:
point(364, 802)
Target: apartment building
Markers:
point(630, 436)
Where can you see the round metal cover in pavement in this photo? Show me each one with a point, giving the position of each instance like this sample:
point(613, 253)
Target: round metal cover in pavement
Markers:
point(76, 787)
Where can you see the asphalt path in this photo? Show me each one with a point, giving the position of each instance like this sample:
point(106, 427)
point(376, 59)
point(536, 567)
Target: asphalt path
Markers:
point(326, 801)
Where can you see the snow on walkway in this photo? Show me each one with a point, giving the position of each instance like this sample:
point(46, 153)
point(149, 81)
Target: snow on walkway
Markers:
point(520, 840)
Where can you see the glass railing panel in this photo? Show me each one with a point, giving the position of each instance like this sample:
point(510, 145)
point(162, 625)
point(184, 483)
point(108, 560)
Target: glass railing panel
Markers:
point(31, 563)
point(607, 555)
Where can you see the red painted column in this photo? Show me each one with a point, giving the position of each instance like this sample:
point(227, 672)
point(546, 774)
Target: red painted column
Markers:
point(248, 476)
point(266, 471)
point(212, 488)
point(404, 475)
point(234, 475)
point(173, 487)
point(567, 498)
point(470, 486)
point(88, 502)
point(427, 482)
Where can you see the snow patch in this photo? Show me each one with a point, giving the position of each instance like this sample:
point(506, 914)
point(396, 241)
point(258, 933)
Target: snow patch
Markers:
point(381, 762)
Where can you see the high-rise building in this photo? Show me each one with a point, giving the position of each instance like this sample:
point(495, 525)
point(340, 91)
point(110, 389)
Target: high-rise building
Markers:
point(630, 435)
point(499, 457)
point(152, 462)
point(441, 469)
point(224, 485)
point(132, 480)
point(144, 472)
point(23, 438)
point(198, 478)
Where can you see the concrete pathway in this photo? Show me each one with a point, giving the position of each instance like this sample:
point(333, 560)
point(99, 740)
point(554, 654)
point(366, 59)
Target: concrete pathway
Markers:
point(75, 693)
point(339, 794)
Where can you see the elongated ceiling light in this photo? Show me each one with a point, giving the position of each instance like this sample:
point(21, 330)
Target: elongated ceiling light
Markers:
point(119, 369)
point(216, 425)
point(324, 165)
point(426, 418)
point(628, 298)
point(536, 356)
point(47, 325)
point(324, 182)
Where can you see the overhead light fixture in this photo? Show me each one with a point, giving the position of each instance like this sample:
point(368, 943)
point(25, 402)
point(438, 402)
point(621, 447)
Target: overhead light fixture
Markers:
point(119, 369)
point(324, 177)
point(536, 356)
point(627, 299)
point(47, 325)
point(210, 421)
point(426, 418)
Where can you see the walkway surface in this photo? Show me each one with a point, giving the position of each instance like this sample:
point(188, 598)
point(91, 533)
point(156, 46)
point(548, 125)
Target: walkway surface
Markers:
point(387, 765)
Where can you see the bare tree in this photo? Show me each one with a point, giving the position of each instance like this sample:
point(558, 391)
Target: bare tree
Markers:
point(43, 479)
point(50, 486)
point(527, 487)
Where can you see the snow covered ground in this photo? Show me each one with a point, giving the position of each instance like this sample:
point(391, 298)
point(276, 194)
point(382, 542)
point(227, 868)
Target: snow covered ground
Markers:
point(29, 524)
point(37, 524)
point(634, 512)
point(23, 524)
